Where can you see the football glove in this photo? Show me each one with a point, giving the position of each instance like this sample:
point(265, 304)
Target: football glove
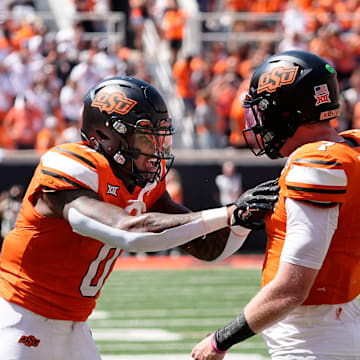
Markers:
point(253, 204)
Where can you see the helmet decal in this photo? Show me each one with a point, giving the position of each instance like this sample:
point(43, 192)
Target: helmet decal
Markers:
point(330, 69)
point(330, 114)
point(322, 94)
point(276, 78)
point(116, 102)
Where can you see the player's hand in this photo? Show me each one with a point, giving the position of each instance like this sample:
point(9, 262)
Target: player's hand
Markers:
point(204, 351)
point(253, 204)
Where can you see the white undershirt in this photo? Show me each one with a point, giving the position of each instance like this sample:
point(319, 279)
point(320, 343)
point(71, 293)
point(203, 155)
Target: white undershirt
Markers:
point(309, 230)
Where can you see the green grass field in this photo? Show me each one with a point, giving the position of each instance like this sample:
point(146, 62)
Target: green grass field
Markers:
point(169, 311)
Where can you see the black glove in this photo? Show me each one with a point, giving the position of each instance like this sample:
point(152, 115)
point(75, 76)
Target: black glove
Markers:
point(253, 204)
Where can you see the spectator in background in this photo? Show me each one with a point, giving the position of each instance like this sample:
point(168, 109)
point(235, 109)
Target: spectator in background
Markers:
point(63, 62)
point(294, 20)
point(21, 6)
point(49, 136)
point(70, 134)
point(40, 94)
point(223, 90)
point(6, 43)
point(185, 87)
point(229, 184)
point(22, 123)
point(31, 26)
point(85, 73)
point(205, 121)
point(7, 96)
point(139, 13)
point(293, 41)
point(71, 40)
point(342, 54)
point(201, 72)
point(23, 65)
point(70, 101)
point(173, 25)
point(319, 43)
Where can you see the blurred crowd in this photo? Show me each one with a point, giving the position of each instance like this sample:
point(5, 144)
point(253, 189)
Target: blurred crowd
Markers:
point(44, 74)
point(10, 204)
point(214, 81)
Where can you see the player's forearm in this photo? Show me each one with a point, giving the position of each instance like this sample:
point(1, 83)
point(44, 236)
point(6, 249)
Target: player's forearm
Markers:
point(267, 308)
point(278, 298)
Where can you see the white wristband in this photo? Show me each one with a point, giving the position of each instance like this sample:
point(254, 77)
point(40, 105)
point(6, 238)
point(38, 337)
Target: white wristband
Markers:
point(215, 219)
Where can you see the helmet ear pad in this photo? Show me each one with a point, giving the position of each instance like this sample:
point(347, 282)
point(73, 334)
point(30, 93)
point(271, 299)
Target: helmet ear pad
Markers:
point(108, 141)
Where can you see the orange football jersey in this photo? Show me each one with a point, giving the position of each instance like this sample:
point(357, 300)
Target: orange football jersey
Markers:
point(45, 266)
point(323, 172)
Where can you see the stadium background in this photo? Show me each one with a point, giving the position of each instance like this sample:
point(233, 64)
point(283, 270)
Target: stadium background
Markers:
point(230, 35)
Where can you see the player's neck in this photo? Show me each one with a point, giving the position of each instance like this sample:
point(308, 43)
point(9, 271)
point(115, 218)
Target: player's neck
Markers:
point(310, 133)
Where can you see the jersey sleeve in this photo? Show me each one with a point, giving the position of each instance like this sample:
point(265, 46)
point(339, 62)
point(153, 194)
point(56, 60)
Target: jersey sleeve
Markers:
point(70, 166)
point(316, 175)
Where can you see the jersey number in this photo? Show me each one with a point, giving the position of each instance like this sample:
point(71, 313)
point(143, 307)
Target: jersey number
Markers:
point(98, 271)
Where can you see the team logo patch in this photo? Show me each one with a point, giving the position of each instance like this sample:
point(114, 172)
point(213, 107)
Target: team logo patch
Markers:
point(115, 102)
point(325, 115)
point(29, 340)
point(112, 190)
point(276, 78)
point(322, 94)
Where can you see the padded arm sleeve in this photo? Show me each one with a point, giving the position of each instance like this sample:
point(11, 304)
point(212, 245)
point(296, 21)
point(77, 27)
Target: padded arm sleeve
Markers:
point(211, 220)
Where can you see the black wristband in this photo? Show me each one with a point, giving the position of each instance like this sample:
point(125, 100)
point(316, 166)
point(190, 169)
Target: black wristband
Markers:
point(234, 332)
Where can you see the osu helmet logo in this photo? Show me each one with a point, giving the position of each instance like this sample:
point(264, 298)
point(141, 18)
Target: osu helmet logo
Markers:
point(276, 78)
point(115, 102)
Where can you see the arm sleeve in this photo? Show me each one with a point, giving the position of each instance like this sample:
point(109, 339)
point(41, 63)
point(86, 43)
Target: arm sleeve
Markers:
point(309, 230)
point(210, 221)
point(236, 239)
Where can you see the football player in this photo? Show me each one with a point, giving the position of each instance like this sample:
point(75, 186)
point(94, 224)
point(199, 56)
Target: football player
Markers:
point(307, 307)
point(89, 201)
